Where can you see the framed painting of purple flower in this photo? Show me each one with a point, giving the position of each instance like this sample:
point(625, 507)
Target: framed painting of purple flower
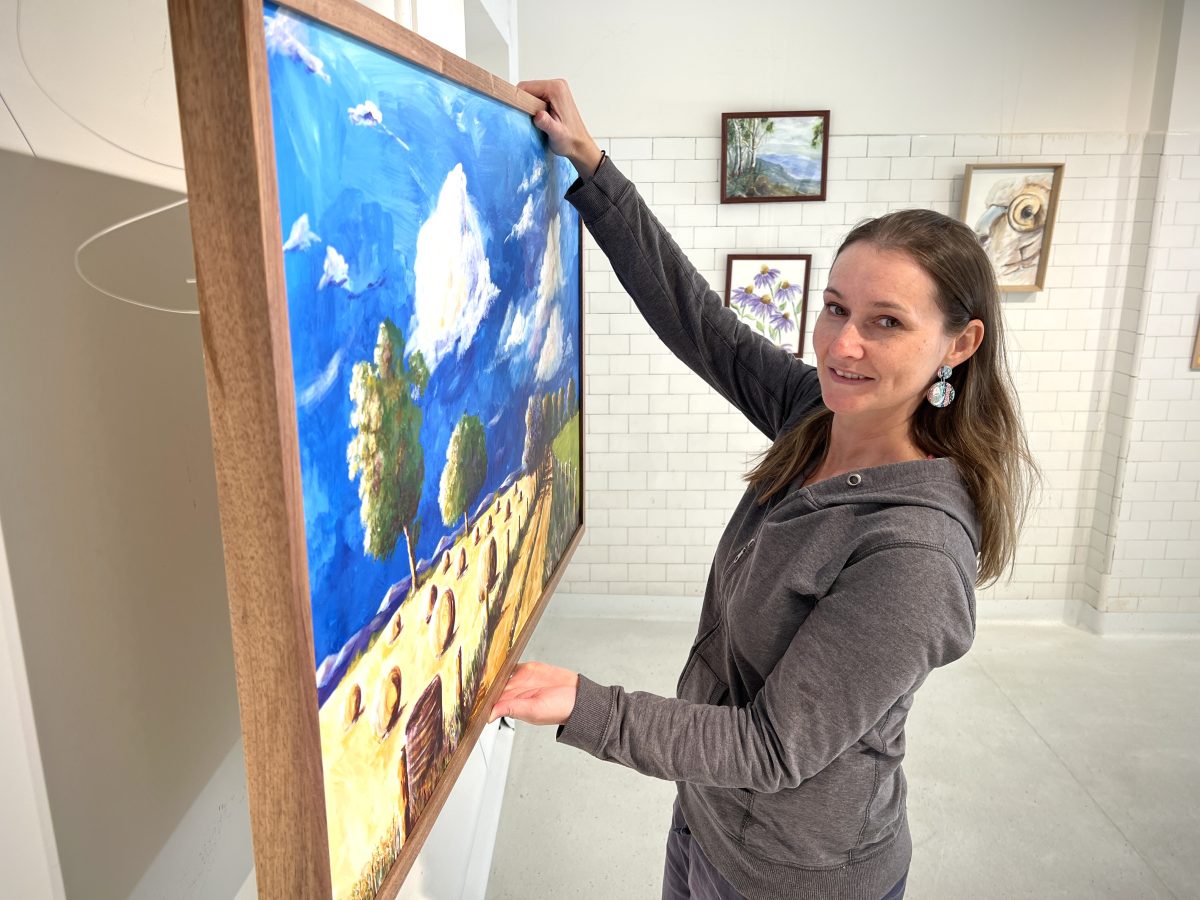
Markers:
point(769, 294)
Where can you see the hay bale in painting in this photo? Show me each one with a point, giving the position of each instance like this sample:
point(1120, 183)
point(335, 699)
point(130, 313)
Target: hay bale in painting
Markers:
point(462, 561)
point(395, 628)
point(507, 510)
point(424, 739)
point(477, 535)
point(490, 525)
point(492, 565)
point(389, 703)
point(433, 599)
point(354, 707)
point(446, 562)
point(443, 633)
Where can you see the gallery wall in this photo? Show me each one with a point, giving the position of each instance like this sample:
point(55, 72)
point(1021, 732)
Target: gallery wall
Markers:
point(666, 68)
point(1101, 355)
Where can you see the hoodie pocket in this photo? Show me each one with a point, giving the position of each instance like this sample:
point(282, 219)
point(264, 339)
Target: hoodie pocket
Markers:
point(699, 682)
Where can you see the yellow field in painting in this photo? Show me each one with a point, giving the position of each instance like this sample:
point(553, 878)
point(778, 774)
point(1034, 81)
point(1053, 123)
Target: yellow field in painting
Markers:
point(361, 757)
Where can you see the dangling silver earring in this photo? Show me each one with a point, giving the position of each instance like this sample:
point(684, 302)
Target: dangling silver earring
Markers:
point(941, 393)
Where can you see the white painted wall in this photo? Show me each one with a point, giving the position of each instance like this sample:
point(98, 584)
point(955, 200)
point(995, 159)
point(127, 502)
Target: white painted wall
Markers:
point(28, 855)
point(1185, 106)
point(669, 68)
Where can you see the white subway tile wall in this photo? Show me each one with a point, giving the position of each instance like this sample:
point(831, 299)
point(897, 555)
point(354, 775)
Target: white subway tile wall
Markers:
point(1100, 357)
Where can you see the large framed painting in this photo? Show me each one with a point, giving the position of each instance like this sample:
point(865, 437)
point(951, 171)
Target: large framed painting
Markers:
point(389, 286)
point(774, 156)
point(769, 292)
point(1012, 207)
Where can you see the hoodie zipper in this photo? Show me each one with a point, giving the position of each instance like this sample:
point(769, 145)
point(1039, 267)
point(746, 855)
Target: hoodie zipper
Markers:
point(737, 557)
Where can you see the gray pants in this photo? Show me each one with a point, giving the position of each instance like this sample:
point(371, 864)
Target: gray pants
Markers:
point(689, 875)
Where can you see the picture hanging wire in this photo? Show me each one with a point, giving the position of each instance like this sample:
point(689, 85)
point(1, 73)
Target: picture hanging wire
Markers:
point(65, 112)
point(115, 227)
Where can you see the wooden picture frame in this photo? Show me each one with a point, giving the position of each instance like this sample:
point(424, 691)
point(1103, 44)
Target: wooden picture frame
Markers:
point(257, 345)
point(1012, 207)
point(762, 288)
point(773, 157)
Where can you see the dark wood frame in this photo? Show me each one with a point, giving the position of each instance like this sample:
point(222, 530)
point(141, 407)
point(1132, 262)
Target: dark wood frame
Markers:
point(234, 204)
point(725, 117)
point(807, 257)
point(1059, 169)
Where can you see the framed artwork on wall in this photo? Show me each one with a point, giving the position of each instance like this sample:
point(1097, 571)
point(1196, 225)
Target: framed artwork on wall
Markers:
point(1012, 207)
point(769, 292)
point(774, 156)
point(390, 297)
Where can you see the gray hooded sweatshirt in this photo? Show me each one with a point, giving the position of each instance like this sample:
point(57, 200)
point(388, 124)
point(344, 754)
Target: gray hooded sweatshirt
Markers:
point(826, 608)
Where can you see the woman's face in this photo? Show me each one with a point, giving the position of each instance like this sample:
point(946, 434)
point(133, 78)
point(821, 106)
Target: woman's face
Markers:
point(880, 337)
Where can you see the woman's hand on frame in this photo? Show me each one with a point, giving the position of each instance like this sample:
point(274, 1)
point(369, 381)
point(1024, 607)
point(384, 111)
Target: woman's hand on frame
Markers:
point(563, 125)
point(538, 694)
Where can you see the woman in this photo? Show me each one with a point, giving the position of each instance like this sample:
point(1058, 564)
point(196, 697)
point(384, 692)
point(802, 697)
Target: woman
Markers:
point(896, 480)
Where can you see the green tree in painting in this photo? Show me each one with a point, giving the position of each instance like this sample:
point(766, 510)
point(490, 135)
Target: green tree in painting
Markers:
point(745, 137)
point(818, 132)
point(466, 470)
point(386, 452)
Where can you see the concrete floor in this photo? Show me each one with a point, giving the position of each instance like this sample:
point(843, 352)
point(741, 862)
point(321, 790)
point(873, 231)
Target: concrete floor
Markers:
point(1047, 763)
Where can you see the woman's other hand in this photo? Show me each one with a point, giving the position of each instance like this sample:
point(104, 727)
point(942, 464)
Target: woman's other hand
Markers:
point(563, 125)
point(538, 694)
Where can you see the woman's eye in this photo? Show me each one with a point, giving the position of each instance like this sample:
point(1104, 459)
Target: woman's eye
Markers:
point(889, 322)
point(834, 309)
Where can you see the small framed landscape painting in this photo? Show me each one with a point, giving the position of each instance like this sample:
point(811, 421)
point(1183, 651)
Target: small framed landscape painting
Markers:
point(1012, 208)
point(769, 292)
point(774, 156)
point(390, 306)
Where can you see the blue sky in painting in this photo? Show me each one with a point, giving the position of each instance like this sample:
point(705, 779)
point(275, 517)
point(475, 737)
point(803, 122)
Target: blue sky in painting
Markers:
point(403, 195)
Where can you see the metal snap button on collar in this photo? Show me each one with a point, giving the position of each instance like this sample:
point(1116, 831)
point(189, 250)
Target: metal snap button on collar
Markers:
point(854, 479)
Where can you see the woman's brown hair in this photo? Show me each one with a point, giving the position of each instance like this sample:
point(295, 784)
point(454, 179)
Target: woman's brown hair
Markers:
point(981, 430)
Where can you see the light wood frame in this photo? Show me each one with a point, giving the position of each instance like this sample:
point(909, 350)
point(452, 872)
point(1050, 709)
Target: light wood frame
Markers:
point(1059, 170)
point(225, 111)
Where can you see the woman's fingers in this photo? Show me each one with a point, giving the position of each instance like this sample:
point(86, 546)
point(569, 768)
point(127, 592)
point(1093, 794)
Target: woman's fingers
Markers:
point(563, 124)
point(538, 694)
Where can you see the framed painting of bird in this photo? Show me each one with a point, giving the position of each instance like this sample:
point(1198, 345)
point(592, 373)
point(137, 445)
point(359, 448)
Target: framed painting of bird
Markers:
point(1012, 208)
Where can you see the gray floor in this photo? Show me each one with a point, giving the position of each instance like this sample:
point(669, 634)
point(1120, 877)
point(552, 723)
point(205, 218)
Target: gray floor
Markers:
point(1047, 763)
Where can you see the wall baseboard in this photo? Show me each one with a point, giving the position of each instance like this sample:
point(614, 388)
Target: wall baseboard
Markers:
point(662, 608)
point(1129, 624)
point(1076, 613)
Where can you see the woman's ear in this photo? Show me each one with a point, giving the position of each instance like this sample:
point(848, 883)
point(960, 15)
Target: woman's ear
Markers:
point(964, 346)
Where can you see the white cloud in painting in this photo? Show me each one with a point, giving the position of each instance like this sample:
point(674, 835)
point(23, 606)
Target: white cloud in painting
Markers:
point(524, 223)
point(515, 330)
point(302, 237)
point(532, 178)
point(453, 276)
point(366, 113)
point(551, 279)
point(554, 347)
point(283, 37)
point(336, 270)
point(320, 385)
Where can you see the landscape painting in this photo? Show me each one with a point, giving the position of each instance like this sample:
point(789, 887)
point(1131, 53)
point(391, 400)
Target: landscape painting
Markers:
point(433, 295)
point(774, 156)
point(769, 292)
point(1012, 207)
